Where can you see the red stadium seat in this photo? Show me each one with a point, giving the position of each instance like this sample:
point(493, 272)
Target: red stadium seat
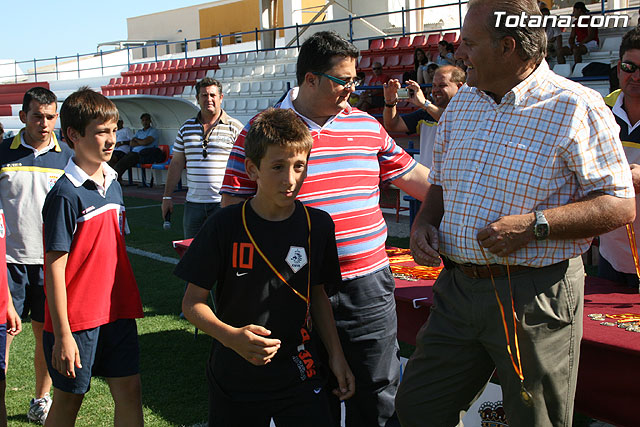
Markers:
point(450, 37)
point(390, 44)
point(197, 63)
point(206, 63)
point(392, 62)
point(374, 47)
point(418, 41)
point(200, 74)
point(365, 63)
point(406, 61)
point(155, 90)
point(162, 91)
point(190, 63)
point(182, 64)
point(404, 43)
point(433, 40)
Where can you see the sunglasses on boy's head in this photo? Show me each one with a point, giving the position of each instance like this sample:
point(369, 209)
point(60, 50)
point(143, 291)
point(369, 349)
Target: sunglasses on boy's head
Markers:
point(629, 67)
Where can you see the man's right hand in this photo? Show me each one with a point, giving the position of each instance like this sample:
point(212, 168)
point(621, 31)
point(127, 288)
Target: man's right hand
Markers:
point(391, 90)
point(424, 244)
point(251, 343)
point(167, 206)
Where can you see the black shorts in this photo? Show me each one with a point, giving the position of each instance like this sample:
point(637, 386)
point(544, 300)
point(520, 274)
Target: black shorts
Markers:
point(26, 282)
point(109, 351)
point(306, 407)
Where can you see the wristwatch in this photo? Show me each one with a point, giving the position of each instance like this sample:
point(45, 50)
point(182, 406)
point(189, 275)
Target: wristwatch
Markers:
point(426, 104)
point(541, 226)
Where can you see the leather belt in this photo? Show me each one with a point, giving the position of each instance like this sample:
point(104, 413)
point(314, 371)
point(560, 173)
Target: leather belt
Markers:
point(477, 271)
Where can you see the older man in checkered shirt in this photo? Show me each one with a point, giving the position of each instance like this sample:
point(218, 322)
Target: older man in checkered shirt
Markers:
point(527, 168)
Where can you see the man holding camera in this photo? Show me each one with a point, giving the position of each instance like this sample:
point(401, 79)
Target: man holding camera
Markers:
point(446, 82)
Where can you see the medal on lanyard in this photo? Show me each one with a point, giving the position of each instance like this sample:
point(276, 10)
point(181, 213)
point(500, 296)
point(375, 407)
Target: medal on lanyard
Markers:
point(303, 359)
point(525, 395)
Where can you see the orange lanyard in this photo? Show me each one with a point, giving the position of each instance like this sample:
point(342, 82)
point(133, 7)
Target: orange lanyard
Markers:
point(526, 397)
point(306, 299)
point(634, 248)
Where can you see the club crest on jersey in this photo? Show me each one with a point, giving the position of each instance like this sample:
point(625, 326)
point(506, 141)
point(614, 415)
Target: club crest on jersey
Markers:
point(52, 180)
point(296, 258)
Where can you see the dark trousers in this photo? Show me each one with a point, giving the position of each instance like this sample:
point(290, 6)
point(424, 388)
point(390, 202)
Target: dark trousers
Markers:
point(365, 313)
point(463, 342)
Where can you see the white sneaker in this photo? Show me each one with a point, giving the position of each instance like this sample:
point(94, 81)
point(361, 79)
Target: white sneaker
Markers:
point(39, 409)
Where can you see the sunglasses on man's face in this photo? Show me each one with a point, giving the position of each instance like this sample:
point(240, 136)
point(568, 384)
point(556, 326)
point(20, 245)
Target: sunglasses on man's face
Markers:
point(628, 67)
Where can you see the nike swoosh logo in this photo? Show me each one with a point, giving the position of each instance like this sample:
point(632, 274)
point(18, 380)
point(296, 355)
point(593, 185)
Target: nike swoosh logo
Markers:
point(241, 274)
point(317, 390)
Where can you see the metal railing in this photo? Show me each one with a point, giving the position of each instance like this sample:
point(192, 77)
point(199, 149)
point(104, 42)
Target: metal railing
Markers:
point(102, 63)
point(113, 62)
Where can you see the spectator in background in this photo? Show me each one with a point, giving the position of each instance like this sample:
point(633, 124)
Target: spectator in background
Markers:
point(616, 261)
point(202, 145)
point(420, 61)
point(445, 54)
point(554, 35)
point(123, 138)
point(583, 38)
point(424, 121)
point(373, 98)
point(144, 148)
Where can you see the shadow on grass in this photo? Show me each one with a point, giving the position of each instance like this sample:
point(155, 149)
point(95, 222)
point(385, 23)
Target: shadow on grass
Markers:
point(172, 366)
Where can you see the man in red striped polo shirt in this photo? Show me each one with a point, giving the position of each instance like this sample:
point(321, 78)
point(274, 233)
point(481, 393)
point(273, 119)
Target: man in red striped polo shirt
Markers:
point(351, 154)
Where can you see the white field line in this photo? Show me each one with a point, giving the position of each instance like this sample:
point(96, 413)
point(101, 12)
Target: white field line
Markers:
point(143, 207)
point(152, 255)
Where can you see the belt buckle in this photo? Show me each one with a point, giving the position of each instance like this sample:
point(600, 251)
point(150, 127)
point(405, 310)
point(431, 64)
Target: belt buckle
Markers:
point(476, 272)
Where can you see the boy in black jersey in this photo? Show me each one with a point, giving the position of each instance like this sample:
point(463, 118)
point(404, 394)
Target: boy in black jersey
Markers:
point(269, 257)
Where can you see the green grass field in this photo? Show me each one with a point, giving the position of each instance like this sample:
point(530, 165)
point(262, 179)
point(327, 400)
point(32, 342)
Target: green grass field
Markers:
point(174, 391)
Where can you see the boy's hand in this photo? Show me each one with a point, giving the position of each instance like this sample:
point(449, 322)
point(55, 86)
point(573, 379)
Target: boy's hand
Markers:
point(346, 380)
point(65, 356)
point(14, 322)
point(250, 343)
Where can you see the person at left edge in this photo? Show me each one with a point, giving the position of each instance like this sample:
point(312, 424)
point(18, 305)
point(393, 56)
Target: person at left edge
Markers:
point(10, 322)
point(30, 164)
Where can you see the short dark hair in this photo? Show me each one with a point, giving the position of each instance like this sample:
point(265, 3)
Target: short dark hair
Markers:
point(81, 107)
point(318, 51)
point(39, 94)
point(631, 40)
point(143, 115)
point(206, 82)
point(276, 126)
point(531, 42)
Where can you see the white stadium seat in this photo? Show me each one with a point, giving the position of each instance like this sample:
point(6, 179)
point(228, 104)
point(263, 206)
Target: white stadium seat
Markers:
point(563, 70)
